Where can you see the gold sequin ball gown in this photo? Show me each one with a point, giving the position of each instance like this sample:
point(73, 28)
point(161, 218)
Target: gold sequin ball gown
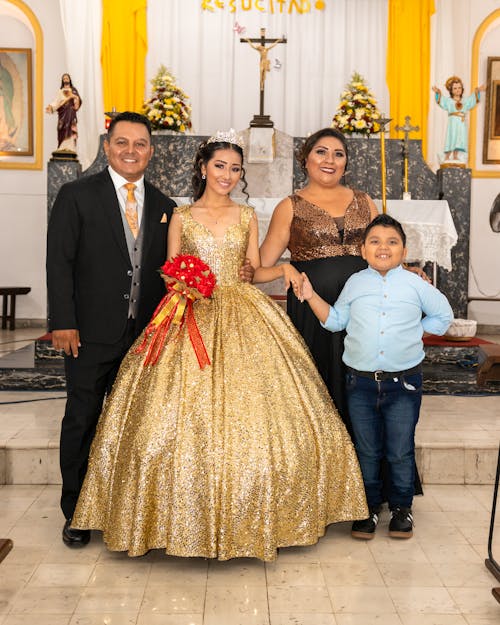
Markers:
point(233, 460)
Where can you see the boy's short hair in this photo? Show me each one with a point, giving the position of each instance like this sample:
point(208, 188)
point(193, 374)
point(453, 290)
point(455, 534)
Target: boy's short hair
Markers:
point(386, 221)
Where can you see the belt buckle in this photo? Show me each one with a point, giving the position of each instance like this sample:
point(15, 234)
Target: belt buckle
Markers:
point(378, 375)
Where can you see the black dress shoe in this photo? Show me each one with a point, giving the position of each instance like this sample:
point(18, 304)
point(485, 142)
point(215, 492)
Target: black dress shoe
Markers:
point(74, 538)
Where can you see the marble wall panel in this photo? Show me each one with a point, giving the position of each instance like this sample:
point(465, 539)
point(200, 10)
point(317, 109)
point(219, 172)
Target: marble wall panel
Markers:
point(171, 169)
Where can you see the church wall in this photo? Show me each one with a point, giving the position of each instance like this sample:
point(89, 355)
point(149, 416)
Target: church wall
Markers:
point(23, 193)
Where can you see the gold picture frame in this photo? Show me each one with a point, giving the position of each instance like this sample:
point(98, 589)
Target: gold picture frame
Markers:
point(16, 102)
point(491, 135)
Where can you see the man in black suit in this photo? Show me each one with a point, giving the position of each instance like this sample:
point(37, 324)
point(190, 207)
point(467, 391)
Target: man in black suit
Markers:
point(103, 286)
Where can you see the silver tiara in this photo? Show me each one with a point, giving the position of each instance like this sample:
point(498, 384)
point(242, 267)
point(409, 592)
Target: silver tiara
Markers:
point(227, 136)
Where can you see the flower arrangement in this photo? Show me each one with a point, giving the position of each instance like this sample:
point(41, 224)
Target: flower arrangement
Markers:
point(187, 279)
point(357, 111)
point(168, 107)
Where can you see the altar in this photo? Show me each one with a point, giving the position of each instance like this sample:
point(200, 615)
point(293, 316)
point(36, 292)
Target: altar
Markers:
point(436, 221)
point(429, 227)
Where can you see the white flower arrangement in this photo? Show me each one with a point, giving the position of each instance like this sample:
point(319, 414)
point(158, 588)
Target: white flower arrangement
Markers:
point(168, 107)
point(357, 111)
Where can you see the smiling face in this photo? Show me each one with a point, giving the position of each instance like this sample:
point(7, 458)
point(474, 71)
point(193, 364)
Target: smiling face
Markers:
point(326, 162)
point(383, 249)
point(223, 171)
point(129, 150)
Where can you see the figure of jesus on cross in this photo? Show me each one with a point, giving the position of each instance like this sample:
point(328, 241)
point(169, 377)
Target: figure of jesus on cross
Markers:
point(259, 44)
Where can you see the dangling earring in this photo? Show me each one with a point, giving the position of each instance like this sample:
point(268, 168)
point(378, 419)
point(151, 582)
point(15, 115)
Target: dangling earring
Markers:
point(203, 177)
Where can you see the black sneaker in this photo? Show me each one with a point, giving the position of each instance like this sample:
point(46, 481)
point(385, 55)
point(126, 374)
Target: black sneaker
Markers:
point(365, 529)
point(401, 524)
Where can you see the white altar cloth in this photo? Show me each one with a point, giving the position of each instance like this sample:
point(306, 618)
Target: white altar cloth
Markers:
point(429, 228)
point(428, 224)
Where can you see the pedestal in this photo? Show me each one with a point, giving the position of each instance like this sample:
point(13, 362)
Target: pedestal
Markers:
point(261, 121)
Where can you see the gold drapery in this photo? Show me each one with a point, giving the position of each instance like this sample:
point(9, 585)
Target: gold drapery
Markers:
point(408, 63)
point(123, 53)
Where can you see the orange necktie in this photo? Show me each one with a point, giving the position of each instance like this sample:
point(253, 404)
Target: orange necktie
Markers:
point(131, 209)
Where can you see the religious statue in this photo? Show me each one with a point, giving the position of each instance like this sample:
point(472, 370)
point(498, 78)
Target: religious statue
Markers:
point(265, 64)
point(259, 44)
point(66, 103)
point(455, 148)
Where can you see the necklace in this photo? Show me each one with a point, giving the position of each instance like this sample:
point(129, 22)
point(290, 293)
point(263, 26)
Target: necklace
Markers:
point(213, 219)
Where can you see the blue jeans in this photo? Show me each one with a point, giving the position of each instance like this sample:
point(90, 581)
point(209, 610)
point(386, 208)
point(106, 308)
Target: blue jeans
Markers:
point(384, 416)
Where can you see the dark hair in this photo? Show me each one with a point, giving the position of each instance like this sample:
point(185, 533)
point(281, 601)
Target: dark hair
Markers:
point(62, 80)
point(386, 221)
point(129, 116)
point(205, 153)
point(304, 150)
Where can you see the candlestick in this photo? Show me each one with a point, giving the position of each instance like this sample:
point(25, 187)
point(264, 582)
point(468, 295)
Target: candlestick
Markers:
point(382, 122)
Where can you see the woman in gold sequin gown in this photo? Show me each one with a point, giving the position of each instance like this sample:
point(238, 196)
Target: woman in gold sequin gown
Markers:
point(239, 458)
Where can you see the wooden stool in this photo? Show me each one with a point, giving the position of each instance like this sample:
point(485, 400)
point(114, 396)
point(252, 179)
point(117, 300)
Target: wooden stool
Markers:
point(489, 364)
point(11, 291)
point(5, 546)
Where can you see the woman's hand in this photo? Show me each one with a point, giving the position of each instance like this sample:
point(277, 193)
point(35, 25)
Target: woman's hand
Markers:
point(292, 278)
point(420, 272)
point(246, 271)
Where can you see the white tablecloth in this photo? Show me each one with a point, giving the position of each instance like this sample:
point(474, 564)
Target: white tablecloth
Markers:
point(429, 228)
point(428, 224)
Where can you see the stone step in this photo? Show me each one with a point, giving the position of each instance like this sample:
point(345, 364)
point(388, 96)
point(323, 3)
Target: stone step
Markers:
point(25, 461)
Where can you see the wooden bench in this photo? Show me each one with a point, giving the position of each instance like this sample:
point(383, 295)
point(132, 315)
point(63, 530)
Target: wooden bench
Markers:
point(489, 363)
point(11, 292)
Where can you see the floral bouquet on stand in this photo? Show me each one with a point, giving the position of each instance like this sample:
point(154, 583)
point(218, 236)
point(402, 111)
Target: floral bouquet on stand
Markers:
point(187, 279)
point(168, 107)
point(357, 111)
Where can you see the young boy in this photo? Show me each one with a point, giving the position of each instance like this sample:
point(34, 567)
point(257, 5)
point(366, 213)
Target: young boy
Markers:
point(381, 309)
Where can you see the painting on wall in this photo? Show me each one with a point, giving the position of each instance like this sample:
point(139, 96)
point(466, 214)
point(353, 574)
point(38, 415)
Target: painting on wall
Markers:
point(491, 136)
point(16, 103)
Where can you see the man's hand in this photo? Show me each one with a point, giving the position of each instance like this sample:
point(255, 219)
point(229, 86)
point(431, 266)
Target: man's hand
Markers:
point(246, 271)
point(67, 341)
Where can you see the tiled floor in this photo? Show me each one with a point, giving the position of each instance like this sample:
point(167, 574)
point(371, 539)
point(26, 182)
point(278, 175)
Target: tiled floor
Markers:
point(436, 578)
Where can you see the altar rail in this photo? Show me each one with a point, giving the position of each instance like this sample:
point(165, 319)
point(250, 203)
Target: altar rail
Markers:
point(171, 169)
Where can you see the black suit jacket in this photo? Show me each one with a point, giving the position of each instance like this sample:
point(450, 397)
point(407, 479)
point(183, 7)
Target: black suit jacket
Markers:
point(88, 265)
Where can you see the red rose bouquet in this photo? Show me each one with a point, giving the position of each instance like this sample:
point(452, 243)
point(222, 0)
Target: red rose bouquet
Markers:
point(187, 279)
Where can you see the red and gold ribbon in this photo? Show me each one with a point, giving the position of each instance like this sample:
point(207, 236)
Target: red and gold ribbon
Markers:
point(176, 307)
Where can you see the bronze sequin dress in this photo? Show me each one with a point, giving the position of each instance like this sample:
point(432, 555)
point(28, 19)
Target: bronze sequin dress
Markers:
point(235, 460)
point(329, 253)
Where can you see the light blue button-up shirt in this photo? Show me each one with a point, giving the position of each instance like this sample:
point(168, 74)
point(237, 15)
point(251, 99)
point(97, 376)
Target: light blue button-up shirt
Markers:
point(382, 316)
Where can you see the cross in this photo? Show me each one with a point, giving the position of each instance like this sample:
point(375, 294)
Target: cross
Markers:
point(259, 44)
point(407, 128)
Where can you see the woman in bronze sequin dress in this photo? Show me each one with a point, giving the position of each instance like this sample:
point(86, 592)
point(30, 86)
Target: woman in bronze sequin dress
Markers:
point(239, 458)
point(322, 225)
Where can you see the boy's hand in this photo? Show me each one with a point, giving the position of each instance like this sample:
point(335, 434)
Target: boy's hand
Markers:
point(307, 289)
point(306, 292)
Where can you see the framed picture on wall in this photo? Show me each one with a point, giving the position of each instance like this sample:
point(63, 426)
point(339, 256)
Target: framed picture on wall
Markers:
point(491, 136)
point(16, 102)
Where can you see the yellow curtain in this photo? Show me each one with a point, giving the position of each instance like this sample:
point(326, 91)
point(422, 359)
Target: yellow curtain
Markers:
point(408, 64)
point(123, 53)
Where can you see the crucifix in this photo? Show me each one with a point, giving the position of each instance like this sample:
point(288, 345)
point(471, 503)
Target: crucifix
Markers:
point(407, 128)
point(259, 44)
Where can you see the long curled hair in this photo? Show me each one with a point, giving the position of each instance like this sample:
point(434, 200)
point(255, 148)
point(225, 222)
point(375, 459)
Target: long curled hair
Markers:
point(304, 150)
point(205, 153)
